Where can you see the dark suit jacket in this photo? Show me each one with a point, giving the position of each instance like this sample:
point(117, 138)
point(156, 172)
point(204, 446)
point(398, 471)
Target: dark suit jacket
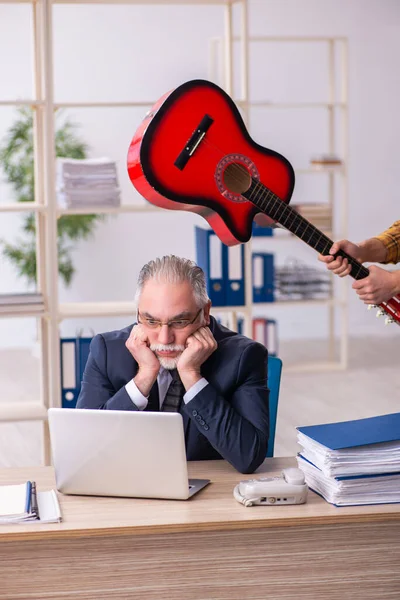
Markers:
point(228, 419)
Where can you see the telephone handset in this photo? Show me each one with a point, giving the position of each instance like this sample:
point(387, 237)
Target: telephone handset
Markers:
point(290, 488)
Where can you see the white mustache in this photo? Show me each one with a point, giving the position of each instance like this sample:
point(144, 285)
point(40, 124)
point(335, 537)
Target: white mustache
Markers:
point(167, 347)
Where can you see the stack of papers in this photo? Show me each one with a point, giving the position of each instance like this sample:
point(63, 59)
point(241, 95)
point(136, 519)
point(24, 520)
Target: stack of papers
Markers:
point(353, 462)
point(91, 182)
point(347, 491)
point(21, 302)
point(22, 503)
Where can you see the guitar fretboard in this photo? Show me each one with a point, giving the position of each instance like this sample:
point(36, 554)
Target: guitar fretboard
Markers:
point(291, 220)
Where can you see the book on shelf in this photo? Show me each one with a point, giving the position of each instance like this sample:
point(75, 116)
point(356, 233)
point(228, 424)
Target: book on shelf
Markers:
point(353, 462)
point(22, 503)
point(326, 161)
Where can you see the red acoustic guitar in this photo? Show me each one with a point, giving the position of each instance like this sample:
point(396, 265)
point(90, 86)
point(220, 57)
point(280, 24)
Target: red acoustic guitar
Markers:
point(192, 152)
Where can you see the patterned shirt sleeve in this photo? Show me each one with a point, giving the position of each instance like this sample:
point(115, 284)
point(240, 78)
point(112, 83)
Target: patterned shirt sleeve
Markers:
point(391, 240)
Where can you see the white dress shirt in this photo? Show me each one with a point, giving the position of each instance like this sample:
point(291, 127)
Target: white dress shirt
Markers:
point(164, 378)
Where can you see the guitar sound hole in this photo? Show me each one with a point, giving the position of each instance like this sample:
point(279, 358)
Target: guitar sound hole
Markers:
point(236, 178)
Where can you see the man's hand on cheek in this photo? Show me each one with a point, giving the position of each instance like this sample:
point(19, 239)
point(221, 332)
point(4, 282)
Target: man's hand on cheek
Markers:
point(199, 346)
point(138, 345)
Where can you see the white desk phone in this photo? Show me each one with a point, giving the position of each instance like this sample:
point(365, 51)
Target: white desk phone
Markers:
point(291, 488)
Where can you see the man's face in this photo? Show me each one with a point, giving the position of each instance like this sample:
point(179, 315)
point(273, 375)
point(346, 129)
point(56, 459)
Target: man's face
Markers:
point(161, 303)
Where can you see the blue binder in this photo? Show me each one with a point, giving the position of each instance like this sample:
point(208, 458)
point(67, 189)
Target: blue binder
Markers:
point(361, 432)
point(235, 286)
point(263, 277)
point(74, 353)
point(261, 230)
point(212, 258)
point(223, 267)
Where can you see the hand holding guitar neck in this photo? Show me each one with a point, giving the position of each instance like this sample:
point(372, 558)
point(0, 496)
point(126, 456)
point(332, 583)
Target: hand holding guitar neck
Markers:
point(378, 285)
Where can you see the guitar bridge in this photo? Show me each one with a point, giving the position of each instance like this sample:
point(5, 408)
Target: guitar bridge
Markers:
point(193, 143)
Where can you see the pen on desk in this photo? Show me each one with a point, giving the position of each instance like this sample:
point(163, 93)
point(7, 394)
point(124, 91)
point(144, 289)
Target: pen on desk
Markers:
point(34, 508)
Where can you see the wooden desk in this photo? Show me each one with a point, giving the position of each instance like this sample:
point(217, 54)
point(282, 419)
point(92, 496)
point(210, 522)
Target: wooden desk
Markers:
point(209, 547)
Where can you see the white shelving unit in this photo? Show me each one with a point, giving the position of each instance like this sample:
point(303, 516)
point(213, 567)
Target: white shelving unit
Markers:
point(338, 99)
point(45, 207)
point(47, 212)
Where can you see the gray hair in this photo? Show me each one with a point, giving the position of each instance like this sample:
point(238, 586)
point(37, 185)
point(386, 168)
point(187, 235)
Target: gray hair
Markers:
point(174, 269)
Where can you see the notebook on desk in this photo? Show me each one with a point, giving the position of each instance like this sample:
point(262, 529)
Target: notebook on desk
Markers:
point(120, 453)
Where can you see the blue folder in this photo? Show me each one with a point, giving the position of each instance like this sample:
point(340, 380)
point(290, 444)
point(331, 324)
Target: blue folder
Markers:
point(212, 258)
point(261, 230)
point(361, 432)
point(74, 355)
point(263, 277)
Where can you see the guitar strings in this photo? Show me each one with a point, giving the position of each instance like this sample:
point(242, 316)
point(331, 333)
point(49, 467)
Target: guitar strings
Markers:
point(276, 202)
point(302, 227)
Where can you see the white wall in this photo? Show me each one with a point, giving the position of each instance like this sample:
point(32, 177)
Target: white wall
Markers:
point(110, 53)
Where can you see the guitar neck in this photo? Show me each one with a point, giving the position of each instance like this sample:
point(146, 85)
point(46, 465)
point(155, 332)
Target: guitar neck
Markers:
point(291, 220)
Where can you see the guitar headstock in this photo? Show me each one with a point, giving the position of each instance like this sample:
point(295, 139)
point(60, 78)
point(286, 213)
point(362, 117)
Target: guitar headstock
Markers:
point(390, 309)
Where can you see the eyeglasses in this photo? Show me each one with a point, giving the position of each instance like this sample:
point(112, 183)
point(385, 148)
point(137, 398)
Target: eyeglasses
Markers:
point(176, 324)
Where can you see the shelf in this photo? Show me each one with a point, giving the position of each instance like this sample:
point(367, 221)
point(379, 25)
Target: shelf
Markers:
point(96, 309)
point(22, 207)
point(124, 208)
point(291, 38)
point(20, 102)
point(325, 302)
point(105, 309)
point(139, 104)
point(22, 312)
point(318, 170)
point(27, 207)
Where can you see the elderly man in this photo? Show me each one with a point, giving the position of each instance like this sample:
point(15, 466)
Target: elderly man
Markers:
point(178, 358)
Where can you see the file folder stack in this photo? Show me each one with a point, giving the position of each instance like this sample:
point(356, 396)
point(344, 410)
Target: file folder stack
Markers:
point(353, 462)
point(87, 182)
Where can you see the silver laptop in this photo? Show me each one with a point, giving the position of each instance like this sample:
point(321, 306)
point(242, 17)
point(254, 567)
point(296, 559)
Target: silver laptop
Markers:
point(120, 453)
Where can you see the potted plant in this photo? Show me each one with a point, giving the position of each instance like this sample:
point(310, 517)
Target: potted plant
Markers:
point(16, 159)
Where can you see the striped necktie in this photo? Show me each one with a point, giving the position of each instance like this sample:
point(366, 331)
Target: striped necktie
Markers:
point(174, 395)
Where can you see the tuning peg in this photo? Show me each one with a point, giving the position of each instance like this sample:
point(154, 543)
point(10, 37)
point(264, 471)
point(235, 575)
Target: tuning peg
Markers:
point(380, 312)
point(389, 320)
point(370, 306)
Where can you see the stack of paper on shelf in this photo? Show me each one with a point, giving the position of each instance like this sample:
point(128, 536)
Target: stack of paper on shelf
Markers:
point(353, 462)
point(22, 503)
point(21, 302)
point(83, 183)
point(320, 215)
